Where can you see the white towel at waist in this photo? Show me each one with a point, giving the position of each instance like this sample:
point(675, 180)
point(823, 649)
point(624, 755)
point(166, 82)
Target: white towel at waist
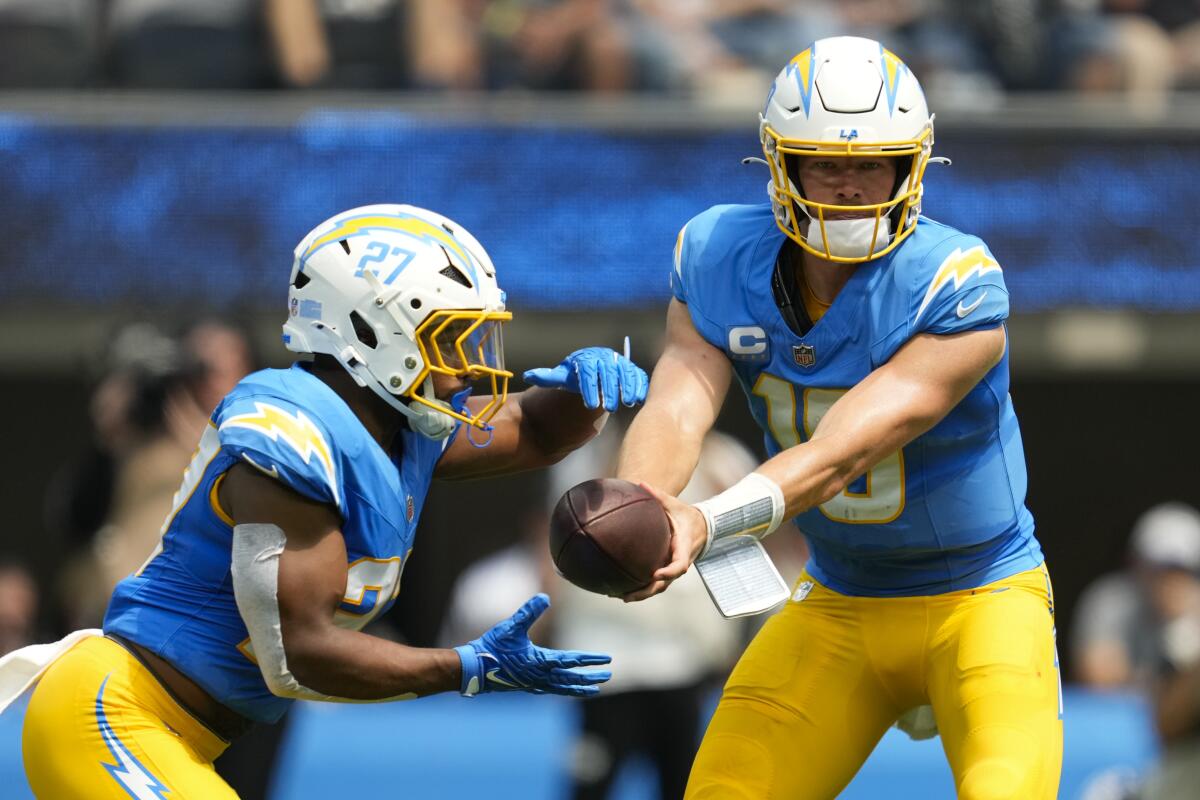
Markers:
point(20, 668)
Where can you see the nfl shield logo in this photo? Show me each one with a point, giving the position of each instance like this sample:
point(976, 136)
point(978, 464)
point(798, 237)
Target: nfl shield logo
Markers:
point(409, 509)
point(805, 355)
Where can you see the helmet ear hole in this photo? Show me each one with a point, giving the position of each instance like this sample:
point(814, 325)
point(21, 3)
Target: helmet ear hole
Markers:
point(364, 332)
point(415, 302)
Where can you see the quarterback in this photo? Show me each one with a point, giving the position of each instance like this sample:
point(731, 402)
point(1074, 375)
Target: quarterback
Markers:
point(295, 520)
point(870, 343)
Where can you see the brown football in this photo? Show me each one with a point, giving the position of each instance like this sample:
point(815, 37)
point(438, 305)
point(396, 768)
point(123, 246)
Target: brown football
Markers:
point(609, 536)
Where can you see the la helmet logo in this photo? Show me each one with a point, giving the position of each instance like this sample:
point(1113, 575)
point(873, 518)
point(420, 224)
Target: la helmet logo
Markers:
point(848, 134)
point(805, 355)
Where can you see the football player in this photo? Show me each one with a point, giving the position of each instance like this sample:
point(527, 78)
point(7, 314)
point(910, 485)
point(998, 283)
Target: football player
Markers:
point(871, 345)
point(295, 520)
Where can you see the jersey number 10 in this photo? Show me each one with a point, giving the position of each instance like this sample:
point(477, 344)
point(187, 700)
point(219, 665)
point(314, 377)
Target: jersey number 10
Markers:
point(881, 500)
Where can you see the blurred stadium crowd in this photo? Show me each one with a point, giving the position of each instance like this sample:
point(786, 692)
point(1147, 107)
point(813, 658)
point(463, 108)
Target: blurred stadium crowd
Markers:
point(705, 47)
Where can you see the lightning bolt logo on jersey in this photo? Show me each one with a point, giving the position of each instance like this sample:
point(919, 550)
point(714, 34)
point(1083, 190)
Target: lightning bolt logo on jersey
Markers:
point(294, 428)
point(945, 512)
point(298, 432)
point(959, 267)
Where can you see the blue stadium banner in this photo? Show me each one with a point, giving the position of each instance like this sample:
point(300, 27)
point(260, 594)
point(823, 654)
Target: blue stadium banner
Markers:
point(573, 218)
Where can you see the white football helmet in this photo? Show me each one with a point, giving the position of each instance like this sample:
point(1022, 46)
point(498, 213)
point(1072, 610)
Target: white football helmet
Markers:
point(397, 293)
point(846, 97)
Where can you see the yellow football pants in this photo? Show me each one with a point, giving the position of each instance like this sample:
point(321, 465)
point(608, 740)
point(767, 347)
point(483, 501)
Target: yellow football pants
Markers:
point(829, 674)
point(100, 726)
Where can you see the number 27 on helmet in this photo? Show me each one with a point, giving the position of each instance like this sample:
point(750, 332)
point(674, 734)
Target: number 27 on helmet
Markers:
point(398, 294)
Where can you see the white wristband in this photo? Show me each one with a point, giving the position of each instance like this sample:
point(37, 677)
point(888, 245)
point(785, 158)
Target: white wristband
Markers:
point(751, 507)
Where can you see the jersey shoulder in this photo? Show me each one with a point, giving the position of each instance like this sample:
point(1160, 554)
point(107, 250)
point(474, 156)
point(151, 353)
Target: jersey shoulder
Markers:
point(285, 424)
point(717, 248)
point(951, 280)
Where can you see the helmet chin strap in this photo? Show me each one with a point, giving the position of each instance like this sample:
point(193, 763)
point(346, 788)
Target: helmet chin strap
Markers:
point(429, 422)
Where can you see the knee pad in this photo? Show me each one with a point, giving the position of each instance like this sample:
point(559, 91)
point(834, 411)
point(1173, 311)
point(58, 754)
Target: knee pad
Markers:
point(995, 779)
point(731, 767)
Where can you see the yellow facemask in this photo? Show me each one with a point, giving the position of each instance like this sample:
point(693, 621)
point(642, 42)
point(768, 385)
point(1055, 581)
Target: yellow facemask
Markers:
point(464, 344)
point(781, 153)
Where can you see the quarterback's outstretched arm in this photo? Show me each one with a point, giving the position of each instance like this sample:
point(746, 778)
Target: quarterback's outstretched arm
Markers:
point(893, 405)
point(662, 445)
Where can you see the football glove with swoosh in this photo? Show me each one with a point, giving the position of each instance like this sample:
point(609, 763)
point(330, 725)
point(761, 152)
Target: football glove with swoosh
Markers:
point(504, 660)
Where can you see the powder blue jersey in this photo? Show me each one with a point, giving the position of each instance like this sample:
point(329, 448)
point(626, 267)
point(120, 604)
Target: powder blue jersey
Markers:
point(947, 512)
point(293, 427)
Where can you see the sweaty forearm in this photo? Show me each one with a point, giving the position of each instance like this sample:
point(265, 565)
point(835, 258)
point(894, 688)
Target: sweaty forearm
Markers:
point(870, 423)
point(355, 666)
point(811, 473)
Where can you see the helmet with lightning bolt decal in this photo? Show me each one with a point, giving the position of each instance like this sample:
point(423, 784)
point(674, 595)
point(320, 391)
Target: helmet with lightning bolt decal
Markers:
point(396, 294)
point(840, 98)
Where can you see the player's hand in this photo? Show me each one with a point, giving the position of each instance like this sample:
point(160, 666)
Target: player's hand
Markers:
point(504, 660)
point(689, 534)
point(599, 374)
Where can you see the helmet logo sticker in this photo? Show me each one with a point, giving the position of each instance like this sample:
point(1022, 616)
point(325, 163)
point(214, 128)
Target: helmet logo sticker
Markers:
point(402, 223)
point(801, 70)
point(893, 69)
point(309, 309)
point(848, 134)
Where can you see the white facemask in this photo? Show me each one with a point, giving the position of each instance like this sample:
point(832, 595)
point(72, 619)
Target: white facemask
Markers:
point(850, 238)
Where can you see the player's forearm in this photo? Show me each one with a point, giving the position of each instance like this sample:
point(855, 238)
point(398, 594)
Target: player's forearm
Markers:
point(556, 422)
point(663, 444)
point(357, 666)
point(660, 449)
point(811, 473)
point(879, 416)
point(818, 470)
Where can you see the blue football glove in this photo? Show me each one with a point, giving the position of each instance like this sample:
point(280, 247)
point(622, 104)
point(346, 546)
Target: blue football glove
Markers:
point(597, 373)
point(504, 660)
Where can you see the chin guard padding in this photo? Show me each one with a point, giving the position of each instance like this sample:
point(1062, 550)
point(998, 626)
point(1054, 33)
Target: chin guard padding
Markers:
point(431, 423)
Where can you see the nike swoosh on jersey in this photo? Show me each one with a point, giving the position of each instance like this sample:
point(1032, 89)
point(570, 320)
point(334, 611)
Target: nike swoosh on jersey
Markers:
point(962, 310)
point(273, 471)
